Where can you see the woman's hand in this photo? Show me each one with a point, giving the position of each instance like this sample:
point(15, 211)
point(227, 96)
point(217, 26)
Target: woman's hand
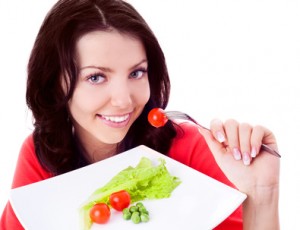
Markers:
point(236, 149)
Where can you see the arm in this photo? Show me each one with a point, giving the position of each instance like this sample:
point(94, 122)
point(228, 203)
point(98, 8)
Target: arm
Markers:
point(261, 209)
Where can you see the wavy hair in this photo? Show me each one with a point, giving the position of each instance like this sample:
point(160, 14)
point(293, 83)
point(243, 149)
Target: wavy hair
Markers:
point(52, 61)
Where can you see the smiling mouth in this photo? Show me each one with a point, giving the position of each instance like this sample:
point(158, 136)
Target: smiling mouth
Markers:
point(116, 119)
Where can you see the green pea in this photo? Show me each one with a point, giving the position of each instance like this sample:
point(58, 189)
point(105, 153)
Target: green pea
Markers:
point(133, 209)
point(143, 210)
point(139, 204)
point(126, 214)
point(144, 217)
point(125, 210)
point(135, 217)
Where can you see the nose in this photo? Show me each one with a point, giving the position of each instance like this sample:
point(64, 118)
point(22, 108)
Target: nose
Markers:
point(121, 95)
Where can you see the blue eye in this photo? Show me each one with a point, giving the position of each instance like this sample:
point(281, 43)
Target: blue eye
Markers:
point(137, 74)
point(96, 79)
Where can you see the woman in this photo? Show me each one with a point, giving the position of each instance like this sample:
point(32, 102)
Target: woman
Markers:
point(95, 71)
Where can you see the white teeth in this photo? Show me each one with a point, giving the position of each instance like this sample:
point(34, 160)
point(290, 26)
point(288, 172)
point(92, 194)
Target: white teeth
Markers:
point(115, 118)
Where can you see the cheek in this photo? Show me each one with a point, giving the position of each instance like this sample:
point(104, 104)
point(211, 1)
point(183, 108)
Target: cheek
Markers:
point(84, 102)
point(142, 93)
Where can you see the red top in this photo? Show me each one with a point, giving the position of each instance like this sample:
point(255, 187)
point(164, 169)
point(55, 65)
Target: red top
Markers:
point(189, 148)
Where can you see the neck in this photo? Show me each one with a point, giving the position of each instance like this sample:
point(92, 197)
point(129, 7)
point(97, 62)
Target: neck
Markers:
point(99, 153)
point(94, 150)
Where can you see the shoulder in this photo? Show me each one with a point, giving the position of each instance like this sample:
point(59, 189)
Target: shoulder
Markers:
point(189, 146)
point(28, 168)
point(27, 151)
point(27, 145)
point(188, 136)
point(187, 130)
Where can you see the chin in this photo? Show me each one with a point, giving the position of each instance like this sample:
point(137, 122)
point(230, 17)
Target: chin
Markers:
point(112, 139)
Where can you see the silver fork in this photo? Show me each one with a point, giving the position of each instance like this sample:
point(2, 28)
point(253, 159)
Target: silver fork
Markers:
point(180, 115)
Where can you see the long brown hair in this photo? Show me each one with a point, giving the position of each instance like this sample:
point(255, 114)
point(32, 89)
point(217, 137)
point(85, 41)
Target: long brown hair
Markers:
point(52, 61)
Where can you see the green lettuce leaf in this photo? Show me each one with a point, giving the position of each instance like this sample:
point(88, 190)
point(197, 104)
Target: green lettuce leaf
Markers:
point(145, 181)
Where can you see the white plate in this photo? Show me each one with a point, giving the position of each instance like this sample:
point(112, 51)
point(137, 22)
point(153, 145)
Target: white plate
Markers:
point(199, 202)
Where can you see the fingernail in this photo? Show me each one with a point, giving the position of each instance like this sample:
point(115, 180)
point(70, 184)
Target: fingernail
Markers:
point(220, 137)
point(253, 152)
point(237, 154)
point(246, 159)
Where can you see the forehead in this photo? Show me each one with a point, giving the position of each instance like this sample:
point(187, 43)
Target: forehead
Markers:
point(105, 47)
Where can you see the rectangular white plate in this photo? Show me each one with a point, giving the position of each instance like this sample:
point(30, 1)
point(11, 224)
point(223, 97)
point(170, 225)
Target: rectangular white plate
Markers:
point(199, 202)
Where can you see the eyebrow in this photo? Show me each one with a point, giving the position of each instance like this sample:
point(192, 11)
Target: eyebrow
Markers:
point(106, 69)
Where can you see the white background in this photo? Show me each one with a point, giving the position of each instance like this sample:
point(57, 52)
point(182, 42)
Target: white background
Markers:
point(227, 59)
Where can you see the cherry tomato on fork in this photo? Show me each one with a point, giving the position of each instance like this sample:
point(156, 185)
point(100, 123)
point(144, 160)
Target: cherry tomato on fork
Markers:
point(119, 200)
point(100, 213)
point(157, 117)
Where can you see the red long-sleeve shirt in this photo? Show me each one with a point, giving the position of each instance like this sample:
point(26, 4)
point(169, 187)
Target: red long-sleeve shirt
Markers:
point(188, 148)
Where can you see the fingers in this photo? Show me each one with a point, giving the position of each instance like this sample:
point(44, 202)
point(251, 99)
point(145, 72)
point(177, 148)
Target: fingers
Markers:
point(245, 131)
point(242, 139)
point(217, 130)
point(232, 134)
point(258, 134)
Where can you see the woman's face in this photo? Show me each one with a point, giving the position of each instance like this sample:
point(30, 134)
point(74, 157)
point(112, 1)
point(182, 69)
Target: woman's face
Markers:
point(112, 87)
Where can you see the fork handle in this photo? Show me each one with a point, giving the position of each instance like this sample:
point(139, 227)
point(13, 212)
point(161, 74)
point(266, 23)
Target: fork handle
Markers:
point(270, 150)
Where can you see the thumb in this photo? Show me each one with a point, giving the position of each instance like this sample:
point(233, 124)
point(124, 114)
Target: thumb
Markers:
point(214, 145)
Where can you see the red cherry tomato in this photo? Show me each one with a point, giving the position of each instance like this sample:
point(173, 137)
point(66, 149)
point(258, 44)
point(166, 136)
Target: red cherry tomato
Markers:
point(157, 117)
point(119, 200)
point(100, 213)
